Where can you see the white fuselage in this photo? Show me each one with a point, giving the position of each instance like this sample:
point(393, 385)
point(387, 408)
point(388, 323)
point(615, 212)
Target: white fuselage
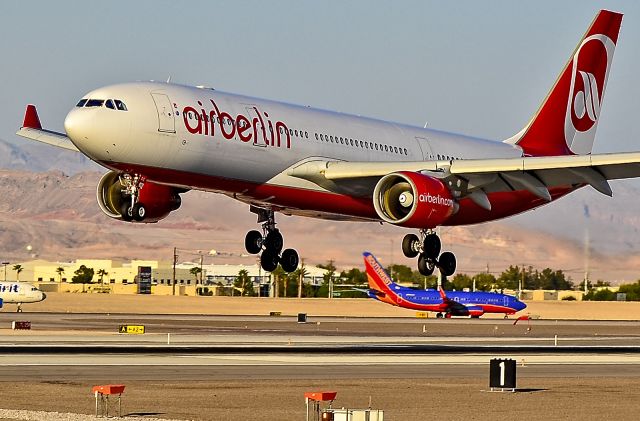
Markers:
point(167, 133)
point(20, 292)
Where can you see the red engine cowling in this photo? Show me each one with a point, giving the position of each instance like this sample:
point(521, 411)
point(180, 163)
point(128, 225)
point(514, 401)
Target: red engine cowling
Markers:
point(413, 200)
point(158, 200)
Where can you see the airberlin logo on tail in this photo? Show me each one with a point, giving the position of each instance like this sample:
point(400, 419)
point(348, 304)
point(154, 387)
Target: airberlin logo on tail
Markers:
point(256, 128)
point(588, 79)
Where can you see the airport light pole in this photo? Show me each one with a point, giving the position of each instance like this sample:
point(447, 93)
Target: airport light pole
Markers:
point(5, 270)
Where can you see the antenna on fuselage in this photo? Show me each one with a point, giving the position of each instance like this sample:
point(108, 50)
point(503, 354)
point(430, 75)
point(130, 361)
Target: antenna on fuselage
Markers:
point(169, 79)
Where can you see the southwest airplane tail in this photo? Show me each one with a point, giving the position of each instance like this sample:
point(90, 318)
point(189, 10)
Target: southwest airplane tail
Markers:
point(444, 303)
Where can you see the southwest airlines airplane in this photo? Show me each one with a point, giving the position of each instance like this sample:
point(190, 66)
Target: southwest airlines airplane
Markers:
point(451, 303)
point(159, 140)
point(19, 293)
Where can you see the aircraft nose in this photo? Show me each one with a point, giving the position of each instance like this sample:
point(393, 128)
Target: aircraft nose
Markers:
point(76, 125)
point(521, 305)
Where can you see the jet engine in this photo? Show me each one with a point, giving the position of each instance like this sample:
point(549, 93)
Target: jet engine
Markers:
point(413, 200)
point(154, 201)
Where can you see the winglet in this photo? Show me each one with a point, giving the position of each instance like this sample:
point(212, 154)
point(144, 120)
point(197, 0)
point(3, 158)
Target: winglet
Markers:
point(31, 119)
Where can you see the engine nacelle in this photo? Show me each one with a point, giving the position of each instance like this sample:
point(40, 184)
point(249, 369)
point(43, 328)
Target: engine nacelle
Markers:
point(158, 200)
point(413, 200)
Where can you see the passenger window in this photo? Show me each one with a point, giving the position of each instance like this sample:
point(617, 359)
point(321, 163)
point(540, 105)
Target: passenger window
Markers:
point(296, 133)
point(405, 151)
point(81, 102)
point(306, 134)
point(321, 136)
point(386, 149)
point(331, 137)
point(316, 136)
point(351, 142)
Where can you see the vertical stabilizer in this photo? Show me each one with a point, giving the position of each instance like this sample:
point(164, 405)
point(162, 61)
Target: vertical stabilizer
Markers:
point(566, 122)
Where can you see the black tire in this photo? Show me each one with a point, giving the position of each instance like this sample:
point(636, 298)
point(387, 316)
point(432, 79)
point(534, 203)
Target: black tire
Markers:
point(431, 246)
point(125, 211)
point(274, 242)
point(409, 243)
point(139, 212)
point(447, 263)
point(253, 242)
point(439, 316)
point(289, 260)
point(425, 265)
point(268, 261)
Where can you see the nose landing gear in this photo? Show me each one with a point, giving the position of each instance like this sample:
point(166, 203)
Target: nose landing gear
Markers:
point(271, 243)
point(427, 248)
point(131, 209)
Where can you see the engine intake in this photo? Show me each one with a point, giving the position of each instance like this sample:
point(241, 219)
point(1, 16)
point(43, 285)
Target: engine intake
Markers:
point(158, 200)
point(413, 200)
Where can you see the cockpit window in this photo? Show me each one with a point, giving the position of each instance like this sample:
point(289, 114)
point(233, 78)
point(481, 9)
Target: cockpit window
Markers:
point(94, 103)
point(81, 102)
point(120, 105)
point(109, 104)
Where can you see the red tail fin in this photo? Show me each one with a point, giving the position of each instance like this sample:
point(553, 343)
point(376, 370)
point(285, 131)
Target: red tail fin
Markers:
point(377, 276)
point(566, 121)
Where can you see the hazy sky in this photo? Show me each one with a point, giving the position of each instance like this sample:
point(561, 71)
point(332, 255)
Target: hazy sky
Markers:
point(467, 66)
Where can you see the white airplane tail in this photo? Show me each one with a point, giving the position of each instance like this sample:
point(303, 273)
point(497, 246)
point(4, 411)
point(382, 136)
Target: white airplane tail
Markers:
point(566, 122)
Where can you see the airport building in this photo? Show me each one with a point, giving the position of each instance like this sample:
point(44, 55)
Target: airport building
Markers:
point(122, 277)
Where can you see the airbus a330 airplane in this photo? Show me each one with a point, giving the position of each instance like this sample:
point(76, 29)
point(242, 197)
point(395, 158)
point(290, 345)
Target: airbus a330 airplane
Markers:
point(447, 304)
point(19, 293)
point(159, 140)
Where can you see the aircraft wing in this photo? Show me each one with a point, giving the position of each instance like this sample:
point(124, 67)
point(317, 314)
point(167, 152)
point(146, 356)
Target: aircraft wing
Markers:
point(32, 129)
point(474, 178)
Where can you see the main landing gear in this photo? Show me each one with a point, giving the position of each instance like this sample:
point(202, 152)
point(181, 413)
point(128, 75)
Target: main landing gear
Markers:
point(270, 242)
point(427, 249)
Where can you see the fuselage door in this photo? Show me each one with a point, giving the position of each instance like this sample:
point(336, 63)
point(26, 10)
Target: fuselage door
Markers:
point(506, 301)
point(425, 148)
point(166, 118)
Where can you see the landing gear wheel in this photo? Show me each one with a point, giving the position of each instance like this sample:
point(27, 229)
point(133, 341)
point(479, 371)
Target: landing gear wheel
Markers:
point(126, 212)
point(425, 265)
point(439, 316)
point(447, 263)
point(139, 212)
point(274, 241)
point(431, 246)
point(289, 260)
point(269, 260)
point(410, 244)
point(253, 242)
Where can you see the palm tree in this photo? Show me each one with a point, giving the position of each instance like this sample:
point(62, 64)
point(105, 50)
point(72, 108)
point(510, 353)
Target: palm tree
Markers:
point(195, 271)
point(60, 271)
point(102, 273)
point(18, 269)
point(300, 273)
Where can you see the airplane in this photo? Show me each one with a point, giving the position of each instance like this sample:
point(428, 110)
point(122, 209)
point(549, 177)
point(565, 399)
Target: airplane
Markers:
point(20, 293)
point(445, 304)
point(159, 140)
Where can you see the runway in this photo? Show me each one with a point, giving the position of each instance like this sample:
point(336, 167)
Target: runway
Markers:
point(207, 363)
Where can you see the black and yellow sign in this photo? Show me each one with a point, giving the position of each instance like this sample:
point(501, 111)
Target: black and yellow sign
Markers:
point(131, 329)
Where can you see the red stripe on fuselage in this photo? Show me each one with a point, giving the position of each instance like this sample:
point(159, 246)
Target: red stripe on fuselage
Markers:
point(503, 204)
